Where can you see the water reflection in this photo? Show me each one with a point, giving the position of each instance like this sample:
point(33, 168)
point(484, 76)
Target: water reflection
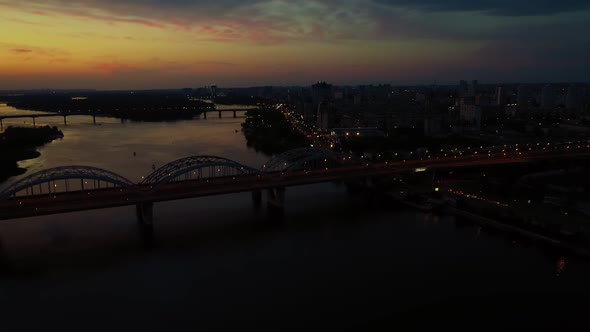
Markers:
point(132, 149)
point(560, 267)
point(322, 223)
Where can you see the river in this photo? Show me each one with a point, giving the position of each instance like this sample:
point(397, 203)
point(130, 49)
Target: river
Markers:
point(335, 259)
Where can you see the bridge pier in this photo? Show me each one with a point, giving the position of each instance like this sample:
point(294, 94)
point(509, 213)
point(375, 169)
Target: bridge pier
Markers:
point(355, 187)
point(220, 114)
point(235, 114)
point(1, 125)
point(369, 183)
point(65, 121)
point(276, 200)
point(34, 124)
point(4, 262)
point(94, 119)
point(205, 115)
point(145, 219)
point(257, 199)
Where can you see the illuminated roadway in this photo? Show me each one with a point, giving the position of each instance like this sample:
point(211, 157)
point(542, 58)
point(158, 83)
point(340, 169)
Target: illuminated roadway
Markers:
point(22, 207)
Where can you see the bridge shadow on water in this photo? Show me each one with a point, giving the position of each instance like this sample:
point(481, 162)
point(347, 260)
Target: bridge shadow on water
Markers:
point(332, 259)
point(172, 233)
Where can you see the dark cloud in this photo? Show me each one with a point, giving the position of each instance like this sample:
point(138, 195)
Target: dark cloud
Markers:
point(158, 7)
point(443, 27)
point(494, 40)
point(142, 11)
point(495, 7)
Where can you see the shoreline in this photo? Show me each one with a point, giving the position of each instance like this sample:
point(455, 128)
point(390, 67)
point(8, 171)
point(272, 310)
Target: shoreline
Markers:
point(484, 221)
point(19, 144)
point(9, 164)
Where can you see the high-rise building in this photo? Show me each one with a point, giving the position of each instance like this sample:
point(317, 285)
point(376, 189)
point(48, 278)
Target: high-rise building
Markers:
point(463, 89)
point(212, 89)
point(523, 97)
point(571, 98)
point(472, 89)
point(320, 92)
point(500, 96)
point(548, 97)
point(323, 116)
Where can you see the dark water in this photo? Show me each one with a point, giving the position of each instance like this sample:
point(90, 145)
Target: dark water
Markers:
point(335, 260)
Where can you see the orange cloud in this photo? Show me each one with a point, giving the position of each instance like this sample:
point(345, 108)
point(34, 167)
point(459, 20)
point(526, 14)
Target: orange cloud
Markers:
point(21, 50)
point(112, 68)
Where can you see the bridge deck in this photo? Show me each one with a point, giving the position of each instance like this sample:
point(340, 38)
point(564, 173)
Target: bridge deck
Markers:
point(22, 207)
point(18, 116)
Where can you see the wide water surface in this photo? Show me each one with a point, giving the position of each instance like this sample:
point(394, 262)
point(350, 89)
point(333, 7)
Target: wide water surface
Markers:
point(336, 259)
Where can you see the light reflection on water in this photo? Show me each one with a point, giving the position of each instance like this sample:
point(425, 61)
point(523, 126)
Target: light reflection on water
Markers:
point(111, 143)
point(328, 243)
point(130, 149)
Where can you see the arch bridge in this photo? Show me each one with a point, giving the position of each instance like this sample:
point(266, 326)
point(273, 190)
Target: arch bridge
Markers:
point(196, 168)
point(308, 159)
point(64, 179)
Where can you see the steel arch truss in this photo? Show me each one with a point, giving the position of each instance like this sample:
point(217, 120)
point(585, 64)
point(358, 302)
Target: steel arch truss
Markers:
point(197, 167)
point(65, 173)
point(306, 158)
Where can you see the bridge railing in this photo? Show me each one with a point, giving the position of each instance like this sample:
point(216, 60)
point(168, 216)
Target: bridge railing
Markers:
point(308, 159)
point(197, 168)
point(194, 168)
point(81, 178)
point(65, 179)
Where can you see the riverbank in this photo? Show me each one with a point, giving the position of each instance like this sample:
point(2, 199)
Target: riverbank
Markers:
point(141, 106)
point(442, 207)
point(18, 144)
point(267, 131)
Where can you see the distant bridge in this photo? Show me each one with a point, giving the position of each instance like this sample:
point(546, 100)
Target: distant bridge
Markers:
point(48, 115)
point(34, 116)
point(220, 111)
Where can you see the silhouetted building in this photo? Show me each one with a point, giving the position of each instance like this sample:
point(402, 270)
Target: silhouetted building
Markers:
point(321, 96)
point(212, 90)
point(435, 125)
point(475, 117)
point(500, 96)
point(523, 97)
point(548, 97)
point(323, 116)
point(309, 112)
point(572, 99)
point(472, 89)
point(321, 92)
point(463, 89)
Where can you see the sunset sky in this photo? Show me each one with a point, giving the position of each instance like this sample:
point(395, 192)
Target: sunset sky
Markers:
point(137, 44)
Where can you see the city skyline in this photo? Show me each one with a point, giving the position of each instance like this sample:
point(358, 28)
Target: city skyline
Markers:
point(142, 45)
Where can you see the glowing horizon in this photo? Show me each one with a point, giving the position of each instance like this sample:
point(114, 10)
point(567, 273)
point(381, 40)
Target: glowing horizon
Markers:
point(132, 44)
